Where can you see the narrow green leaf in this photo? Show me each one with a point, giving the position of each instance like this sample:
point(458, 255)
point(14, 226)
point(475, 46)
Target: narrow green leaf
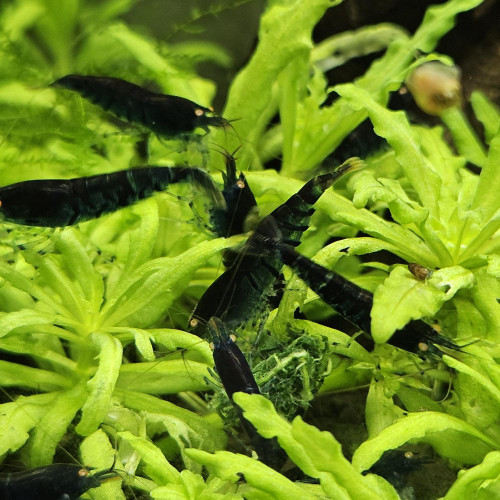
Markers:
point(98, 453)
point(25, 318)
point(229, 466)
point(403, 297)
point(404, 242)
point(157, 280)
point(19, 16)
point(53, 425)
point(394, 127)
point(251, 94)
point(464, 138)
point(40, 349)
point(16, 375)
point(79, 265)
point(486, 200)
point(485, 383)
point(403, 209)
point(344, 344)
point(464, 442)
point(19, 417)
point(155, 464)
point(209, 429)
point(481, 482)
point(485, 296)
point(163, 377)
point(195, 487)
point(102, 384)
point(70, 296)
point(27, 285)
point(140, 240)
point(317, 453)
point(487, 113)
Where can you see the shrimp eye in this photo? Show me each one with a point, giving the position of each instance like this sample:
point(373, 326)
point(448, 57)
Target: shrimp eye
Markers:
point(199, 112)
point(239, 183)
point(83, 472)
point(408, 454)
point(193, 323)
point(0, 203)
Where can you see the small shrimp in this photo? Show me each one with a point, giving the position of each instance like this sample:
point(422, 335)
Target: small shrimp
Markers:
point(236, 376)
point(166, 115)
point(51, 482)
point(240, 202)
point(65, 202)
point(355, 304)
point(237, 295)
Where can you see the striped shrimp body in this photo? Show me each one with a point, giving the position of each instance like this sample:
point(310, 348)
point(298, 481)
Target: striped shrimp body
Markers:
point(355, 304)
point(240, 203)
point(236, 296)
point(167, 116)
point(65, 202)
point(236, 376)
point(51, 482)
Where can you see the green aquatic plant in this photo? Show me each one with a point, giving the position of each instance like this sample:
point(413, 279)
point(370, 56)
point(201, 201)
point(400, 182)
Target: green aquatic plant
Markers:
point(92, 328)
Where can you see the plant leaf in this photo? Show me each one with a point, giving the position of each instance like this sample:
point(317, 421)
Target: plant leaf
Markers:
point(462, 442)
point(402, 298)
point(481, 482)
point(102, 384)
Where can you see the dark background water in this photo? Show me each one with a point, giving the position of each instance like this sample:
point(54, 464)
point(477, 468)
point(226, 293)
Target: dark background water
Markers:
point(474, 43)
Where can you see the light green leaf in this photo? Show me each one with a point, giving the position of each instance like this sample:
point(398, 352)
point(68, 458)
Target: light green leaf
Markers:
point(481, 482)
point(394, 127)
point(403, 297)
point(19, 16)
point(25, 318)
point(380, 411)
point(97, 452)
point(317, 453)
point(251, 94)
point(485, 295)
point(156, 282)
point(79, 266)
point(16, 375)
point(53, 425)
point(344, 344)
point(465, 139)
point(19, 417)
point(485, 383)
point(330, 254)
point(487, 113)
point(163, 377)
point(194, 487)
point(403, 210)
point(404, 242)
point(155, 464)
point(462, 442)
point(208, 430)
point(102, 384)
point(71, 297)
point(486, 199)
point(229, 466)
point(21, 282)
